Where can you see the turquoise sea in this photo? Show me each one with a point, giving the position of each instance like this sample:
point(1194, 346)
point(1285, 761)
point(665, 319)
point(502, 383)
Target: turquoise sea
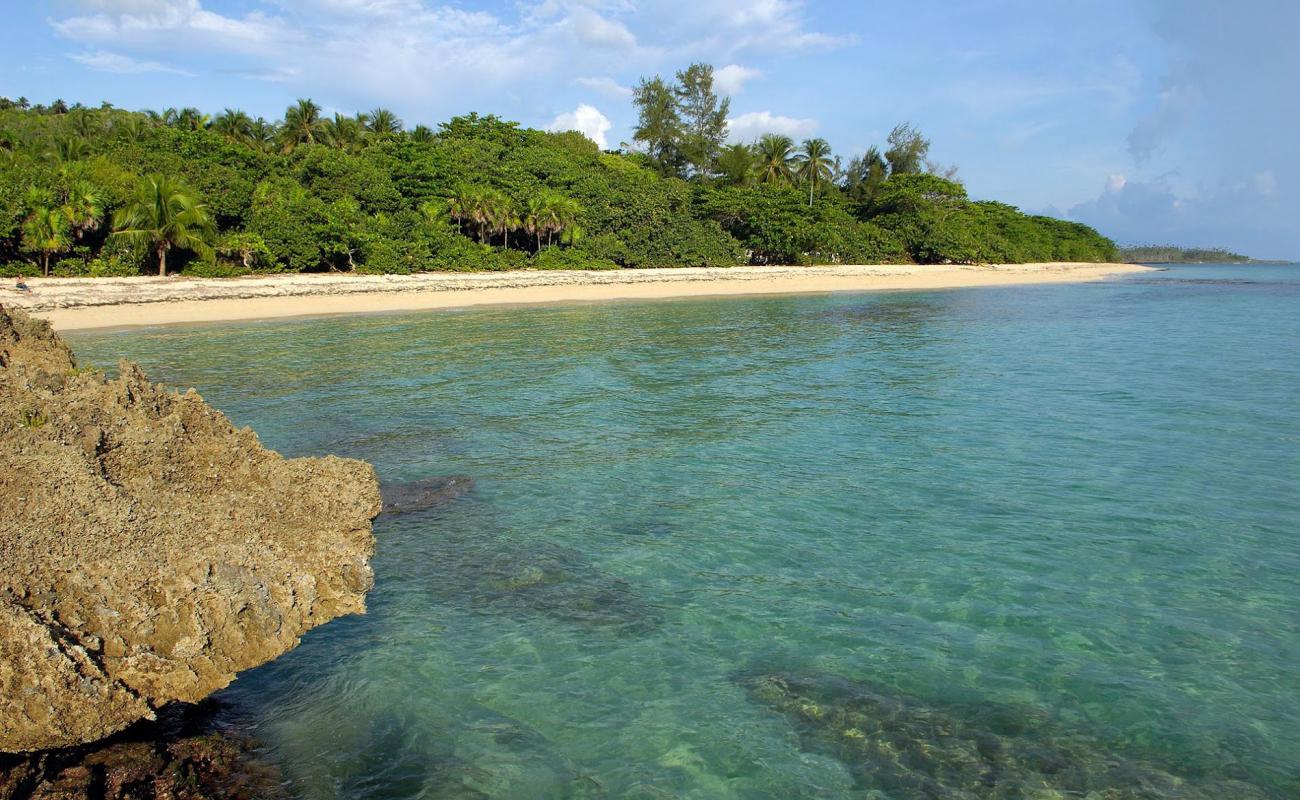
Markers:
point(1020, 542)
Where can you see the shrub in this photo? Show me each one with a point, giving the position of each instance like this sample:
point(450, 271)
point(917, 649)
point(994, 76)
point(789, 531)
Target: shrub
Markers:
point(561, 258)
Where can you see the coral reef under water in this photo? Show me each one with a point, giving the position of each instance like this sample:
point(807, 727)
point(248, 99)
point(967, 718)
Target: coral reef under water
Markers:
point(900, 748)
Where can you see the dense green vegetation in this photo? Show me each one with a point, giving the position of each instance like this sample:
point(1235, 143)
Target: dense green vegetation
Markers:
point(1158, 254)
point(103, 191)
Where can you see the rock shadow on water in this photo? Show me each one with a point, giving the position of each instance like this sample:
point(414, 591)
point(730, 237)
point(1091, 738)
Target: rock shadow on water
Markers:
point(398, 758)
point(899, 748)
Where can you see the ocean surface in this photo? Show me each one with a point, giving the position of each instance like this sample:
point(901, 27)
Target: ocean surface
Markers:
point(1028, 542)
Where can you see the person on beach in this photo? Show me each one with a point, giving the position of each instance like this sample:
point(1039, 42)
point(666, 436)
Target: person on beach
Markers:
point(21, 286)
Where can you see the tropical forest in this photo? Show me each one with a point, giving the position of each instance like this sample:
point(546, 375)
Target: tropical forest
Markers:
point(108, 192)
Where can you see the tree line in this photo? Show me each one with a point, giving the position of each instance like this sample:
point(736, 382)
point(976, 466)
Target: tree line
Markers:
point(105, 191)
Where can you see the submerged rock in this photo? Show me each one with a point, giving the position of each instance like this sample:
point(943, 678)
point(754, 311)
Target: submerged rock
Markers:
point(536, 579)
point(404, 498)
point(149, 550)
point(898, 747)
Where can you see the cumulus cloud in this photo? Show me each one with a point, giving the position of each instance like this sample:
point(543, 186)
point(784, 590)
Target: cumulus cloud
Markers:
point(585, 119)
point(606, 86)
point(747, 127)
point(104, 61)
point(731, 79)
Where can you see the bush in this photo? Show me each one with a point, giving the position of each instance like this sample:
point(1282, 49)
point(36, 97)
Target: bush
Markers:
point(467, 256)
point(243, 253)
point(561, 258)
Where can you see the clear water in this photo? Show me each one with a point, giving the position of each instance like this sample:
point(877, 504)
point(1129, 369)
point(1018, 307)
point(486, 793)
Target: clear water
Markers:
point(1071, 507)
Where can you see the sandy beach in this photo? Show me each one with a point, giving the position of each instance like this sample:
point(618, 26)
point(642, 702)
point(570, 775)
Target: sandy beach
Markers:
point(88, 303)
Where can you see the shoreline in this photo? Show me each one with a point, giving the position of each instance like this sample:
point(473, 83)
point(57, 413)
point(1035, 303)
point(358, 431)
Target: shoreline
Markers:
point(73, 304)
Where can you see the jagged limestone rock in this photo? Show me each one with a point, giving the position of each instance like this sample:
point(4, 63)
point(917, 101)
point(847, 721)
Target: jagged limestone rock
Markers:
point(149, 550)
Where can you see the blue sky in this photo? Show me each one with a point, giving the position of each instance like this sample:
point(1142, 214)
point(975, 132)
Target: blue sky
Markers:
point(1164, 121)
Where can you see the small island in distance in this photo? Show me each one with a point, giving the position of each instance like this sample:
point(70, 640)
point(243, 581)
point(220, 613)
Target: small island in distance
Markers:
point(1168, 254)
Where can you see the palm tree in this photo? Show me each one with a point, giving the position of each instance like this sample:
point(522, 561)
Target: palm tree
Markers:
point(383, 122)
point(302, 124)
point(774, 154)
point(45, 231)
point(68, 149)
point(262, 134)
point(234, 126)
point(736, 164)
point(504, 215)
point(422, 133)
point(342, 132)
point(82, 208)
point(129, 129)
point(552, 212)
point(86, 123)
point(189, 119)
point(814, 165)
point(164, 214)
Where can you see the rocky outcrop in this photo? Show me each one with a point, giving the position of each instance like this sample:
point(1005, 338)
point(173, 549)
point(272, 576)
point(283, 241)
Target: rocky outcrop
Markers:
point(149, 550)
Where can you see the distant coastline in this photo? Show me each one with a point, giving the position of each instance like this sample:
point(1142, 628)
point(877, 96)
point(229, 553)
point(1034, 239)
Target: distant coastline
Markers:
point(97, 303)
point(1166, 254)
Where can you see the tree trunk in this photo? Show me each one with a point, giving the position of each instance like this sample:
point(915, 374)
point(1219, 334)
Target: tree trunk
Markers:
point(811, 185)
point(45, 263)
point(539, 240)
point(162, 262)
point(506, 232)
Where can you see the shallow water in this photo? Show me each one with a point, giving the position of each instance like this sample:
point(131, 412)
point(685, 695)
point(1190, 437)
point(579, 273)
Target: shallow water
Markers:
point(1056, 520)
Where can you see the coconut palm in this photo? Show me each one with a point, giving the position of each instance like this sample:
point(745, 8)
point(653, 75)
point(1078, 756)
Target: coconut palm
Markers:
point(422, 133)
point(68, 149)
point(45, 231)
point(345, 133)
point(234, 125)
point(164, 214)
point(86, 123)
point(813, 164)
point(504, 216)
point(262, 134)
point(736, 164)
point(188, 119)
point(129, 129)
point(774, 154)
point(82, 208)
point(383, 122)
point(302, 124)
point(551, 212)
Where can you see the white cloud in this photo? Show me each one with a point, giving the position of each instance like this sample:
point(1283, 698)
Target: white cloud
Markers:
point(585, 119)
point(104, 61)
point(593, 29)
point(606, 86)
point(1264, 183)
point(732, 78)
point(429, 58)
point(747, 127)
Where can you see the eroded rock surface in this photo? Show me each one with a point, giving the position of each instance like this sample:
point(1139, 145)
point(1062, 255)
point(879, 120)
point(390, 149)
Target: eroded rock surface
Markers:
point(149, 550)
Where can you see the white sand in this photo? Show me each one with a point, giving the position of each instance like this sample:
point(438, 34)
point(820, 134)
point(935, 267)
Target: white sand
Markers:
point(83, 303)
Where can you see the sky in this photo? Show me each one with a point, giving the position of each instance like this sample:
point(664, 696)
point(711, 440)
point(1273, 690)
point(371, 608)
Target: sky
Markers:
point(1156, 121)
